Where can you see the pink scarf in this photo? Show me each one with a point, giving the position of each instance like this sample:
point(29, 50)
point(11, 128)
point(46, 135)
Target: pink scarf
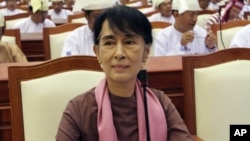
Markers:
point(157, 119)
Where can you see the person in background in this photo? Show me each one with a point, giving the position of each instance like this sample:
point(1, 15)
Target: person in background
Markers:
point(165, 11)
point(37, 19)
point(2, 3)
point(204, 4)
point(80, 41)
point(246, 8)
point(184, 37)
point(114, 110)
point(69, 4)
point(241, 38)
point(231, 12)
point(11, 8)
point(57, 12)
point(9, 53)
point(214, 5)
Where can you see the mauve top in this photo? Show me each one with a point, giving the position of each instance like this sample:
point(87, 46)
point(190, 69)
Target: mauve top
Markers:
point(79, 120)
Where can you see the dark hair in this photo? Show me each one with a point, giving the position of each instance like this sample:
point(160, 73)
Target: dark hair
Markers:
point(124, 19)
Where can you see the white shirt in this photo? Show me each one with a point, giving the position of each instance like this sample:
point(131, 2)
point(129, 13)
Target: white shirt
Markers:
point(3, 3)
point(246, 8)
point(7, 12)
point(62, 15)
point(79, 42)
point(241, 38)
point(213, 6)
point(167, 42)
point(28, 26)
point(159, 17)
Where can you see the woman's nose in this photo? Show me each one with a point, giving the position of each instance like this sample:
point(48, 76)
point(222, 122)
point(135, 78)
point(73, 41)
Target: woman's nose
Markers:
point(119, 52)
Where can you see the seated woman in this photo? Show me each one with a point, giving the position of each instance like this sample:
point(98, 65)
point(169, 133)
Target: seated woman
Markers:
point(115, 109)
point(9, 52)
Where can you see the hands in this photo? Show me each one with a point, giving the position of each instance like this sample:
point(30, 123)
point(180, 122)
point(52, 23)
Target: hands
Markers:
point(187, 37)
point(210, 40)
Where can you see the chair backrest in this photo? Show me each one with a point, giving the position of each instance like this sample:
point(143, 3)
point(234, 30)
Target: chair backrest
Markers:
point(53, 38)
point(156, 27)
point(12, 36)
point(216, 92)
point(10, 21)
point(225, 32)
point(77, 18)
point(202, 19)
point(40, 93)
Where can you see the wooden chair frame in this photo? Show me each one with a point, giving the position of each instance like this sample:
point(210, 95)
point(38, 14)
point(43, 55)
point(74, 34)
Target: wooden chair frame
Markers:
point(55, 30)
point(17, 16)
point(159, 24)
point(75, 16)
point(190, 63)
point(21, 73)
point(230, 24)
point(15, 33)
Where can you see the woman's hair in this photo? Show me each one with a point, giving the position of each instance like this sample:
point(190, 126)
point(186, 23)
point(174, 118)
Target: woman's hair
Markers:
point(124, 19)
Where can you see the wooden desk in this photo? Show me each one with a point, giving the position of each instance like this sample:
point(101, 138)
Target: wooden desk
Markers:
point(32, 46)
point(164, 73)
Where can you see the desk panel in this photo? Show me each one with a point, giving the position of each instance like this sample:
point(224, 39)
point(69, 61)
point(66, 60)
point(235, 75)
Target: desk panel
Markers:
point(32, 46)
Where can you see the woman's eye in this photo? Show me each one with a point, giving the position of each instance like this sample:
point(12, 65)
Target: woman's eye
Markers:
point(108, 43)
point(130, 42)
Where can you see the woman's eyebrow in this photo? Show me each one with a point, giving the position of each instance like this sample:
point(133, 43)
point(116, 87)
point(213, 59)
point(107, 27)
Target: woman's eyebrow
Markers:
point(106, 37)
point(131, 35)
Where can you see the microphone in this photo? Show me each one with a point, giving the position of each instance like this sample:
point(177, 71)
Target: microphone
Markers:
point(142, 76)
point(219, 10)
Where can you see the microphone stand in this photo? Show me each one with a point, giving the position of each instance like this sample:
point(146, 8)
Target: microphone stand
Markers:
point(142, 76)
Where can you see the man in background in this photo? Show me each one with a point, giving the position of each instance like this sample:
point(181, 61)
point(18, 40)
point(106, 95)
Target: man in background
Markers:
point(80, 41)
point(184, 37)
point(37, 19)
point(9, 53)
point(11, 8)
point(57, 12)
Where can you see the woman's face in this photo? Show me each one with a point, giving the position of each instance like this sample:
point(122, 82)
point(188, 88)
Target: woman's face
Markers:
point(121, 55)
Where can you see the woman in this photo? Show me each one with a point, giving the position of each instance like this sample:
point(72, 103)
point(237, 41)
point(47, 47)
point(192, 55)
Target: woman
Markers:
point(114, 110)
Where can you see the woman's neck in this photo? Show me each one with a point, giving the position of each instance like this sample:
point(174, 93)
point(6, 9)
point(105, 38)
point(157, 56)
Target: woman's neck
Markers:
point(122, 89)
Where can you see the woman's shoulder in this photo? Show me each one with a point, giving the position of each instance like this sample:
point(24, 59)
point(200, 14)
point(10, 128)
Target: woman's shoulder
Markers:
point(160, 95)
point(83, 101)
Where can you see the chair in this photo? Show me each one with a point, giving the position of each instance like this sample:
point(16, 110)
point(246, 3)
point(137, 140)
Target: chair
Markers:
point(12, 36)
point(40, 93)
point(77, 18)
point(203, 17)
point(53, 39)
point(227, 31)
point(216, 92)
point(156, 27)
point(10, 21)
